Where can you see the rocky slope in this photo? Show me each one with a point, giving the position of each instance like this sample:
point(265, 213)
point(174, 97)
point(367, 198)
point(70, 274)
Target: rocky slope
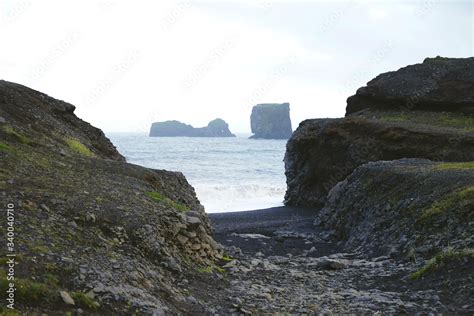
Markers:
point(215, 128)
point(271, 121)
point(323, 152)
point(92, 232)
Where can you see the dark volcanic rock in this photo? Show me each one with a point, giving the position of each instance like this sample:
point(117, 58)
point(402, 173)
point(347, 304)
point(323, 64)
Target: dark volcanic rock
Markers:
point(400, 206)
point(271, 121)
point(414, 211)
point(323, 152)
point(215, 128)
point(117, 237)
point(438, 84)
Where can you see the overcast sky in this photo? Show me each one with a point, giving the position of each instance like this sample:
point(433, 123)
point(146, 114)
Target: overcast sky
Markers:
point(125, 64)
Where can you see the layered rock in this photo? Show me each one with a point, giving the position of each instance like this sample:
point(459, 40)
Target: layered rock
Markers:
point(111, 236)
point(323, 152)
point(437, 84)
point(215, 128)
point(271, 121)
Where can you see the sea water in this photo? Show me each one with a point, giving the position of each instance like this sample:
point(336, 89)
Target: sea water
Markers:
point(228, 174)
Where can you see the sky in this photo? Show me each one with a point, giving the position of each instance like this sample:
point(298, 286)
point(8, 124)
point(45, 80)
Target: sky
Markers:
point(126, 64)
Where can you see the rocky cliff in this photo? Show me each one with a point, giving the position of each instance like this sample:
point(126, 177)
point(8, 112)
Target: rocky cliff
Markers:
point(437, 84)
point(271, 121)
point(323, 152)
point(215, 128)
point(92, 232)
point(394, 180)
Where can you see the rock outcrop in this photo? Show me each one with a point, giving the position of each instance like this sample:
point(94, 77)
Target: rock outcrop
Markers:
point(323, 152)
point(215, 128)
point(437, 84)
point(403, 207)
point(112, 237)
point(271, 121)
point(413, 211)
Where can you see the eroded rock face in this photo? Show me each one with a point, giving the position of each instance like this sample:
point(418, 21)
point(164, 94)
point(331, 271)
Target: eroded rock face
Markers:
point(215, 128)
point(437, 84)
point(120, 232)
point(437, 124)
point(271, 121)
point(323, 152)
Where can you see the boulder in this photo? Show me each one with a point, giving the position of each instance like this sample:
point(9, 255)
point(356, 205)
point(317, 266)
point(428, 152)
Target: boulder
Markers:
point(437, 84)
point(215, 128)
point(271, 121)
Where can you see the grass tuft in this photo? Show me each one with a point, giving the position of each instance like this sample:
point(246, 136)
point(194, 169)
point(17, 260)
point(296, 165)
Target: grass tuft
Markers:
point(20, 137)
point(5, 147)
point(158, 197)
point(456, 165)
point(77, 146)
point(82, 300)
point(458, 201)
point(441, 259)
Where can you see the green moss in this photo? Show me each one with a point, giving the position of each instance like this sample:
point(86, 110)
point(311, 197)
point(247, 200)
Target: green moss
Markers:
point(450, 120)
point(207, 269)
point(155, 196)
point(77, 146)
point(464, 122)
point(158, 197)
point(39, 250)
point(51, 279)
point(226, 257)
point(18, 258)
point(20, 137)
point(8, 312)
point(210, 269)
point(395, 118)
point(5, 147)
point(82, 300)
point(456, 165)
point(457, 201)
point(178, 206)
point(30, 291)
point(441, 259)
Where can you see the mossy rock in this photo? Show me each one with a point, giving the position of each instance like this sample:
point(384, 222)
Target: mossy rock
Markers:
point(78, 147)
point(442, 259)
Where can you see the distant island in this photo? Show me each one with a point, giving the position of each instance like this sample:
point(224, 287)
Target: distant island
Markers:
point(271, 121)
point(215, 128)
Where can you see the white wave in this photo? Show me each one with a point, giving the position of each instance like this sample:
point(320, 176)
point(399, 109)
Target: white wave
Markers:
point(240, 197)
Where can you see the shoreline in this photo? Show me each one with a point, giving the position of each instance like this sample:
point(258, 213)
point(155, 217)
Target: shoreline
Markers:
point(270, 231)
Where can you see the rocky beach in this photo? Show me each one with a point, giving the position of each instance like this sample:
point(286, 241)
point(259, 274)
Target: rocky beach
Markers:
point(378, 216)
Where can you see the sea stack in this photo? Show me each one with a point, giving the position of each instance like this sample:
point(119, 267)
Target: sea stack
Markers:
point(271, 121)
point(215, 128)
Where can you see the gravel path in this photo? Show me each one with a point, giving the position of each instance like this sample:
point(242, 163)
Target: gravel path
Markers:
point(281, 265)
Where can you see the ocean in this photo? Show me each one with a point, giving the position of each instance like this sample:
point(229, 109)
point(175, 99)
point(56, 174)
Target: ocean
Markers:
point(228, 174)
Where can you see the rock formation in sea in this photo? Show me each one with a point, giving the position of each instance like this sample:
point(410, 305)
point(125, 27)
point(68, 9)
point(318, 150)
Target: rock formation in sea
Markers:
point(215, 128)
point(93, 232)
point(271, 121)
point(323, 152)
